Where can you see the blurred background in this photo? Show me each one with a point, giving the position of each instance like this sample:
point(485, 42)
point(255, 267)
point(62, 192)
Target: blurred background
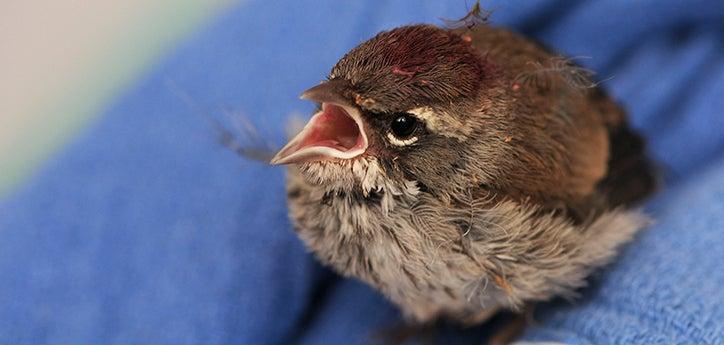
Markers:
point(62, 61)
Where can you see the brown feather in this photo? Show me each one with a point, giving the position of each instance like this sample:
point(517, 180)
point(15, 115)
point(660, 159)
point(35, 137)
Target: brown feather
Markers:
point(510, 194)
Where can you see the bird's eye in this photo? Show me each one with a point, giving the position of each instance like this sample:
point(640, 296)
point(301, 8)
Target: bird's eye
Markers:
point(403, 125)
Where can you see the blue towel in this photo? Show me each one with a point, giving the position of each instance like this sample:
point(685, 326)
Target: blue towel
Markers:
point(145, 230)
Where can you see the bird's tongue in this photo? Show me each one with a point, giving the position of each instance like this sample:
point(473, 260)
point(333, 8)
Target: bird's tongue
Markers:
point(330, 134)
point(332, 128)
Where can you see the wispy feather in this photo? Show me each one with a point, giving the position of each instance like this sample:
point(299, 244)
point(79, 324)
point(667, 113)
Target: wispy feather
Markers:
point(244, 139)
point(476, 16)
point(543, 74)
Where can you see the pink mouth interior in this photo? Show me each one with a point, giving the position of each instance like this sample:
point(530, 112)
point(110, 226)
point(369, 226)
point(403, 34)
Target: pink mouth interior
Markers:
point(335, 129)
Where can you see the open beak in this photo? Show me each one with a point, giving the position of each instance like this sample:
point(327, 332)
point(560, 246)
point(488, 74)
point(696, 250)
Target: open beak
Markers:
point(336, 132)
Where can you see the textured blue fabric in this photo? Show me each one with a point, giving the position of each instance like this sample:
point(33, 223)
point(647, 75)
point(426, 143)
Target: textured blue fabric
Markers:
point(145, 230)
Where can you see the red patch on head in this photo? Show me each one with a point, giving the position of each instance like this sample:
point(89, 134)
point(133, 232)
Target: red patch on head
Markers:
point(399, 71)
point(391, 67)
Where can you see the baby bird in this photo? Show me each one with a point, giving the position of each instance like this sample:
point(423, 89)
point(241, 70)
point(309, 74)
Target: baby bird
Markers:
point(464, 171)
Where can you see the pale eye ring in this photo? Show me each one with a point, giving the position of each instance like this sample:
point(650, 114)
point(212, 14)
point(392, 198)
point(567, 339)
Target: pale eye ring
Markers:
point(400, 142)
point(402, 130)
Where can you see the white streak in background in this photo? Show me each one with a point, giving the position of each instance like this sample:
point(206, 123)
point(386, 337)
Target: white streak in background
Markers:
point(61, 61)
point(294, 125)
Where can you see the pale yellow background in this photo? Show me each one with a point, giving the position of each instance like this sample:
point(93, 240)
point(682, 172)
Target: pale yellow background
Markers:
point(62, 61)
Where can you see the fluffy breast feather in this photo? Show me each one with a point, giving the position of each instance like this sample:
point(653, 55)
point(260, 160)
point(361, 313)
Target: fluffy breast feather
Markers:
point(456, 260)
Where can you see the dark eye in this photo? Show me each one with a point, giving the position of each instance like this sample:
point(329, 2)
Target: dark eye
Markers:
point(403, 125)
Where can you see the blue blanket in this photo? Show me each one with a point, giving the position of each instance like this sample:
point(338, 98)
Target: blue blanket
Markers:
point(145, 230)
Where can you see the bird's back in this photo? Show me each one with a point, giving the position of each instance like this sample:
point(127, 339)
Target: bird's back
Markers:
point(600, 161)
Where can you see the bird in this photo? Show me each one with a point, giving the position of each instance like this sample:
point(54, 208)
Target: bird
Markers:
point(462, 171)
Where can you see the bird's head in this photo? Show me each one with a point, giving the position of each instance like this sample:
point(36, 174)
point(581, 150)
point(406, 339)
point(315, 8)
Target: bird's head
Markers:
point(394, 114)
